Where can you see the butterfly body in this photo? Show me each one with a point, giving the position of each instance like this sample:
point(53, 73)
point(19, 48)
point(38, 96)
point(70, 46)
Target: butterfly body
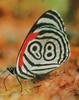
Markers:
point(45, 48)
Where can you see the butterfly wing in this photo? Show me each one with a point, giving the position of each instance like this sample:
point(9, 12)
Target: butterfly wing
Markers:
point(45, 48)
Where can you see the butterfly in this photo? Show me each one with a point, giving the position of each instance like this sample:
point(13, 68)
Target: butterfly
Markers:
point(44, 49)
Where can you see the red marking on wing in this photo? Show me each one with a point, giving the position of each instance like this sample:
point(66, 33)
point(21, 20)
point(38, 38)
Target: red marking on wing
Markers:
point(29, 38)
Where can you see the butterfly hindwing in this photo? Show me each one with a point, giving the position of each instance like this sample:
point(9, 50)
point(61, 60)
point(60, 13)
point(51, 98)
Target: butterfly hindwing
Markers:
point(45, 48)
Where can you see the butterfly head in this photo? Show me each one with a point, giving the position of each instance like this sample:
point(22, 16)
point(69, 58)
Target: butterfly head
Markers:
point(11, 70)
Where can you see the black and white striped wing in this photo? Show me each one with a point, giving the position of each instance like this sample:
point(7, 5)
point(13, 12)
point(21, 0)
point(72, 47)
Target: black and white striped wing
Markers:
point(45, 48)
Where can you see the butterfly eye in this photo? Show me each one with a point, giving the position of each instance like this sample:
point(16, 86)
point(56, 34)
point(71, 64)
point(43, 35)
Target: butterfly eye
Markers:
point(49, 51)
point(34, 49)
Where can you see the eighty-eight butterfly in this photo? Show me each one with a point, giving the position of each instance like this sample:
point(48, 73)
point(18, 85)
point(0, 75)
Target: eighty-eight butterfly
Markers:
point(45, 48)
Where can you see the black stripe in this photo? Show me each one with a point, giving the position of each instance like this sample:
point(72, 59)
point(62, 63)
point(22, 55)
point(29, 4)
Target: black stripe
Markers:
point(46, 26)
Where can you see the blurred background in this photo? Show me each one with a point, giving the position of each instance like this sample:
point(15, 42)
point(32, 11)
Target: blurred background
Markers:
point(18, 16)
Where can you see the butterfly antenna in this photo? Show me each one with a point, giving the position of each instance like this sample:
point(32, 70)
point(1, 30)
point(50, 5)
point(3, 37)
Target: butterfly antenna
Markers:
point(19, 82)
point(5, 81)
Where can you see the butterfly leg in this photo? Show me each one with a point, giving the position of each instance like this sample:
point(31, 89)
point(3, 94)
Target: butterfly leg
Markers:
point(4, 81)
point(19, 82)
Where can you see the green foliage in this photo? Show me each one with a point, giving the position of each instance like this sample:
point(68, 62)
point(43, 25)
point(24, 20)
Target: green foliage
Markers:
point(59, 5)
